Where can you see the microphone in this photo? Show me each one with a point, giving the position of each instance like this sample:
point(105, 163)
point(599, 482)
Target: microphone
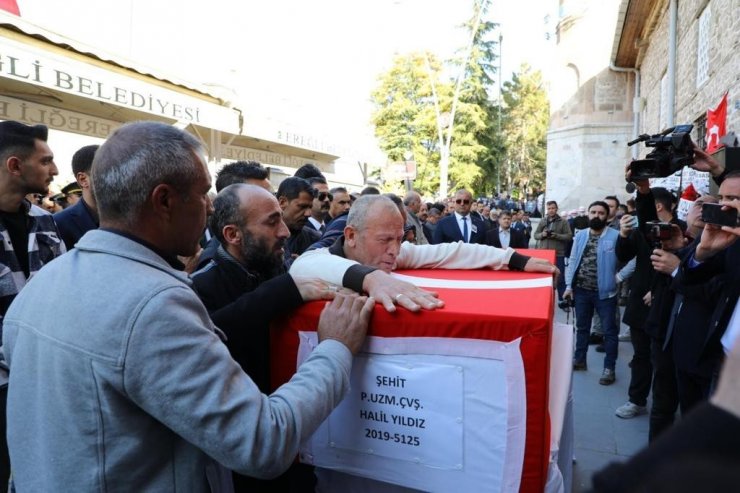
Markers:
point(630, 187)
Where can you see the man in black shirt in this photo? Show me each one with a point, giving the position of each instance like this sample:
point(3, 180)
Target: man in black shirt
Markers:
point(30, 237)
point(244, 288)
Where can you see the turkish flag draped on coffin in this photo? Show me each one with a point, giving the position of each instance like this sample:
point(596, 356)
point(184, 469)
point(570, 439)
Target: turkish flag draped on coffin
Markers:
point(487, 305)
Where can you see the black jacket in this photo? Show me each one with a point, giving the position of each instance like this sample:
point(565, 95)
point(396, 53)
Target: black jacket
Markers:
point(242, 305)
point(73, 222)
point(516, 238)
point(448, 231)
point(710, 292)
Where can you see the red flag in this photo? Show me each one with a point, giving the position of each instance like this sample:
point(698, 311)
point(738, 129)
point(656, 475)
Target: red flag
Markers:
point(716, 125)
point(690, 193)
point(10, 6)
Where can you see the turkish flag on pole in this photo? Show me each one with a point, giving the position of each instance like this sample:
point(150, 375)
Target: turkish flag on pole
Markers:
point(716, 125)
point(10, 6)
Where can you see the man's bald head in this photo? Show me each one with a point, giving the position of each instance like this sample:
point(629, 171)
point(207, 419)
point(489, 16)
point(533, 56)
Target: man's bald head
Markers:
point(412, 201)
point(374, 232)
point(233, 204)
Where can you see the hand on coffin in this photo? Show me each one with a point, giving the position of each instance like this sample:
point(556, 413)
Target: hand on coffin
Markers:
point(390, 291)
point(316, 289)
point(540, 265)
point(345, 319)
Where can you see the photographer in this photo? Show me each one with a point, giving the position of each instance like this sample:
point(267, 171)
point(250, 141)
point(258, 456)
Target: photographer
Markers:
point(710, 276)
point(553, 233)
point(654, 210)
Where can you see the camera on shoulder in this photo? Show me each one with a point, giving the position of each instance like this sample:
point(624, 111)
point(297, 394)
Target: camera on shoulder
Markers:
point(673, 151)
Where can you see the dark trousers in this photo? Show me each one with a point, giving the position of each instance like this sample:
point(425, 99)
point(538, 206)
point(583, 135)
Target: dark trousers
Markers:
point(665, 390)
point(560, 264)
point(692, 389)
point(587, 302)
point(642, 367)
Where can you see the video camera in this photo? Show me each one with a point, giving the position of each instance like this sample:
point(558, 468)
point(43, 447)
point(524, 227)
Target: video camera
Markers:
point(657, 231)
point(673, 151)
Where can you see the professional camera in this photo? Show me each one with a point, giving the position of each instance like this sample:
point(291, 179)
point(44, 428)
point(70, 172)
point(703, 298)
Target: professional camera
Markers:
point(673, 151)
point(657, 231)
point(566, 304)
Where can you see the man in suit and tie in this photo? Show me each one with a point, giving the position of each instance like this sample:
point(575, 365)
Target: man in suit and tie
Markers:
point(73, 222)
point(505, 236)
point(460, 225)
point(321, 202)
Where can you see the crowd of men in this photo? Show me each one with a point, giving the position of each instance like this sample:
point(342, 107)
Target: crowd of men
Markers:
point(160, 379)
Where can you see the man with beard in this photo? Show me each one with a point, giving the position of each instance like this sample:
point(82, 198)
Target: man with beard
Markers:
point(244, 281)
point(295, 196)
point(30, 237)
point(590, 281)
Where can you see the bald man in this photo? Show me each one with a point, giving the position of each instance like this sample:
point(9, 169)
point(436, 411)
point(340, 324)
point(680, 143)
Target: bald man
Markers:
point(412, 202)
point(372, 245)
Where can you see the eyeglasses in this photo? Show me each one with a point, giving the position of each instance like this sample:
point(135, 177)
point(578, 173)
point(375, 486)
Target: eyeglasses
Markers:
point(322, 196)
point(462, 201)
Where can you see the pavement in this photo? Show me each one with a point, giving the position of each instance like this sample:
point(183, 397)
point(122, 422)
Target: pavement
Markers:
point(600, 436)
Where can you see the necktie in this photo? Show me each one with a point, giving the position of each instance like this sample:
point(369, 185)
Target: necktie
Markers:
point(465, 228)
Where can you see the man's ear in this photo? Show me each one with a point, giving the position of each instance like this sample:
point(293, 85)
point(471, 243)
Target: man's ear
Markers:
point(350, 236)
point(162, 197)
point(13, 165)
point(83, 179)
point(283, 202)
point(232, 234)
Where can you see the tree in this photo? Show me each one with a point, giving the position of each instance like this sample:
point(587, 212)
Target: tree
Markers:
point(418, 111)
point(404, 116)
point(524, 130)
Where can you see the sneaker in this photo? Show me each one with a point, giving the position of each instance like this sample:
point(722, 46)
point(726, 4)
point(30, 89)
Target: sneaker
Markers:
point(625, 337)
point(630, 410)
point(607, 377)
point(595, 338)
point(580, 366)
point(600, 348)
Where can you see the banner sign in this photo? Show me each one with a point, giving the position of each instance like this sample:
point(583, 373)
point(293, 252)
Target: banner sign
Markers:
point(47, 69)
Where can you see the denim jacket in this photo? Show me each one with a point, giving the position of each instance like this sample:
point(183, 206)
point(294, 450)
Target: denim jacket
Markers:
point(606, 261)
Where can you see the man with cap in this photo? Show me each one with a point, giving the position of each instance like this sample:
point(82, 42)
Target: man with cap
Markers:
point(71, 194)
point(75, 221)
point(30, 237)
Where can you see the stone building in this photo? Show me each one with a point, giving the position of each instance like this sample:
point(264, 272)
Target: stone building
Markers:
point(628, 67)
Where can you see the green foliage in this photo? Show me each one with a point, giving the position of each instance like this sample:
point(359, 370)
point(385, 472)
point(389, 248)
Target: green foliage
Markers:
point(484, 137)
point(525, 130)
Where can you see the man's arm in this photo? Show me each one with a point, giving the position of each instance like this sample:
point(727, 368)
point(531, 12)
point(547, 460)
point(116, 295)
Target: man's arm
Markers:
point(271, 298)
point(461, 255)
point(386, 289)
point(180, 373)
point(540, 227)
point(564, 233)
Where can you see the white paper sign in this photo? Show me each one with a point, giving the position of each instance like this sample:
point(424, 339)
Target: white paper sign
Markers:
point(433, 414)
point(392, 411)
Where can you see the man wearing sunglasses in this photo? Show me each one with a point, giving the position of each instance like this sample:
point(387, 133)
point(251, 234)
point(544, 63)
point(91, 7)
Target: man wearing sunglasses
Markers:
point(321, 202)
point(461, 225)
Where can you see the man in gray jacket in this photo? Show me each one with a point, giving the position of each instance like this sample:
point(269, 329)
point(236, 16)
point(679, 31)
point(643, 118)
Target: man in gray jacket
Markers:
point(130, 388)
point(553, 233)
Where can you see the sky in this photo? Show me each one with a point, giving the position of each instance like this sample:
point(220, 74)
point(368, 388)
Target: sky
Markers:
point(312, 64)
